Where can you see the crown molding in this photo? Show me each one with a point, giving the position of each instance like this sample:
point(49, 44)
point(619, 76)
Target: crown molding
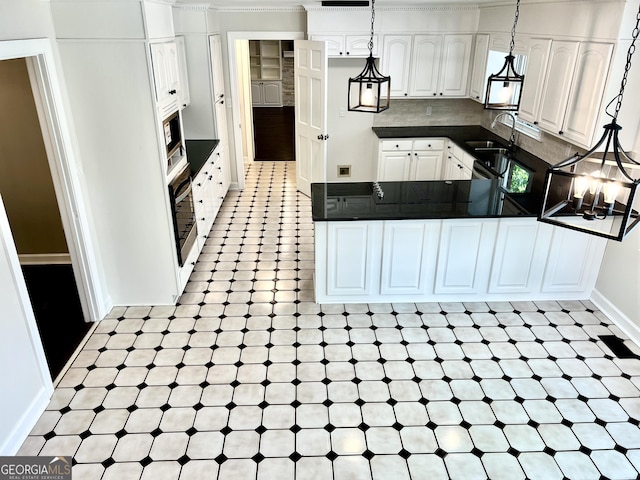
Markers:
point(399, 8)
point(274, 9)
point(194, 6)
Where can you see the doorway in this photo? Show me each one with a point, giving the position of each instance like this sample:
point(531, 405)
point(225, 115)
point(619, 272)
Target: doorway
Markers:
point(273, 99)
point(31, 206)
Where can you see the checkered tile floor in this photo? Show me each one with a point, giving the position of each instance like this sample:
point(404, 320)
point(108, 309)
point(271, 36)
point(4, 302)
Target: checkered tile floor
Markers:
point(247, 378)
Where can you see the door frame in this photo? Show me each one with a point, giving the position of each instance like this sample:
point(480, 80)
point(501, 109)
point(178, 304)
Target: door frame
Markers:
point(57, 132)
point(236, 112)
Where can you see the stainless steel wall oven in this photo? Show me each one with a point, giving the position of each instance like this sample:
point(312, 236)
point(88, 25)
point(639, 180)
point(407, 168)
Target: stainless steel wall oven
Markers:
point(184, 219)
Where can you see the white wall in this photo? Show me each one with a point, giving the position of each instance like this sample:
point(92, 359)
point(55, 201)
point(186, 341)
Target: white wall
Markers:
point(25, 19)
point(351, 140)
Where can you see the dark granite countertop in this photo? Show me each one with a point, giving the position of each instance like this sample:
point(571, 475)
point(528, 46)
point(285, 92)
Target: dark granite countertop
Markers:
point(198, 151)
point(435, 199)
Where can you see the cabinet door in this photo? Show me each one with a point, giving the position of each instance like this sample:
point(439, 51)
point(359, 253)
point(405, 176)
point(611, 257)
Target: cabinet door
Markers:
point(272, 94)
point(256, 93)
point(522, 245)
point(573, 262)
point(425, 65)
point(589, 80)
point(534, 79)
point(394, 166)
point(409, 256)
point(335, 44)
point(478, 87)
point(173, 67)
point(358, 45)
point(215, 51)
point(396, 58)
point(426, 165)
point(557, 85)
point(185, 98)
point(465, 256)
point(352, 257)
point(166, 76)
point(454, 70)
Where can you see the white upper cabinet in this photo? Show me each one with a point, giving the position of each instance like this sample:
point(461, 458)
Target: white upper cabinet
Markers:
point(563, 87)
point(478, 86)
point(396, 61)
point(342, 46)
point(456, 55)
point(534, 79)
point(592, 67)
point(184, 98)
point(166, 76)
point(427, 65)
point(562, 59)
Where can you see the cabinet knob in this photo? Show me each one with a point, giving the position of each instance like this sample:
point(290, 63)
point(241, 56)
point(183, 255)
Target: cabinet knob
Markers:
point(199, 184)
point(193, 263)
point(434, 94)
point(561, 132)
point(347, 53)
point(440, 93)
point(220, 183)
point(200, 201)
point(535, 123)
point(203, 219)
point(429, 145)
point(172, 92)
point(478, 96)
point(340, 53)
point(409, 153)
point(415, 154)
point(397, 146)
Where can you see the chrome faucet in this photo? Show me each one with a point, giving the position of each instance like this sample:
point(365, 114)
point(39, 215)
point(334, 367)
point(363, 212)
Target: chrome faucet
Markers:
point(512, 137)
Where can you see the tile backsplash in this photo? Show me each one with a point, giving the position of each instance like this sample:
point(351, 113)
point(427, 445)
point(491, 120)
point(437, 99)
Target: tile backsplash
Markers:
point(464, 111)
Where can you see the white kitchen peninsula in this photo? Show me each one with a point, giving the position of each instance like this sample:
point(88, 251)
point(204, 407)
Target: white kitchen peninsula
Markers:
point(446, 240)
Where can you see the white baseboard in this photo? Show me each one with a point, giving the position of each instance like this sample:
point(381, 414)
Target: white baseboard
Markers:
point(624, 323)
point(45, 259)
point(25, 424)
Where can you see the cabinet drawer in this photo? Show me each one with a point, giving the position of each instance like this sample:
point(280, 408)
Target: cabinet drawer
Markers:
point(429, 144)
point(455, 150)
point(391, 145)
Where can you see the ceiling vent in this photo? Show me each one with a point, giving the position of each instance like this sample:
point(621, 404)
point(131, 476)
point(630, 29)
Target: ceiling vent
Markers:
point(345, 3)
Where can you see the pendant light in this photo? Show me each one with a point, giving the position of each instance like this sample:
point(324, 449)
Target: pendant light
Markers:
point(370, 90)
point(504, 88)
point(594, 193)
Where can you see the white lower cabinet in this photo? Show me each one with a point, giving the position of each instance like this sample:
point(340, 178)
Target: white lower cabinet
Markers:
point(352, 257)
point(573, 261)
point(408, 254)
point(410, 159)
point(484, 259)
point(465, 255)
point(520, 255)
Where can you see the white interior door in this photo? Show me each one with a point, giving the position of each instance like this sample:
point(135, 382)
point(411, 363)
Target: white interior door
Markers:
point(311, 113)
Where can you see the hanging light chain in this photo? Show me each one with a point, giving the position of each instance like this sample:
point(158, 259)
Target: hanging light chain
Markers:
point(513, 29)
point(627, 67)
point(373, 17)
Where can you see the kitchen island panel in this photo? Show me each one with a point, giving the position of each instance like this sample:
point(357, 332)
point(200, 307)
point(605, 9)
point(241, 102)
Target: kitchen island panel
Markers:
point(459, 260)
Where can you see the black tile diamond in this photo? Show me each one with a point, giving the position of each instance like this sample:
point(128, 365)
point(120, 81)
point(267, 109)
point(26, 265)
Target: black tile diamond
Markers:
point(258, 457)
point(295, 428)
point(329, 427)
point(121, 433)
point(98, 409)
point(84, 435)
point(64, 410)
point(549, 451)
point(585, 450)
point(146, 461)
point(359, 402)
point(477, 452)
point(220, 459)
point(368, 454)
point(331, 455)
point(49, 435)
point(108, 462)
point(440, 452)
point(512, 451)
point(327, 403)
point(156, 432)
point(230, 406)
point(295, 404)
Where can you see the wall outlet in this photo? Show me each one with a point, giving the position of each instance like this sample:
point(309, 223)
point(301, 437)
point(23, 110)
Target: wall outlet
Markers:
point(342, 112)
point(344, 170)
point(428, 110)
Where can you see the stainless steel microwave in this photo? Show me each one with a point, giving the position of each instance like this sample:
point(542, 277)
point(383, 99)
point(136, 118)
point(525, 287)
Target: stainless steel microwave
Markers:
point(172, 129)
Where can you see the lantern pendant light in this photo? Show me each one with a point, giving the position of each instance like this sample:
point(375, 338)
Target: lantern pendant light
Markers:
point(504, 88)
point(594, 193)
point(370, 90)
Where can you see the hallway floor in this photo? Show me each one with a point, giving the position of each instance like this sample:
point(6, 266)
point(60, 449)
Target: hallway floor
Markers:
point(248, 378)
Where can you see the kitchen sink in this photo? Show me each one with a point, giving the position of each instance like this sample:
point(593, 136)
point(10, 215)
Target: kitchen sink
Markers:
point(485, 144)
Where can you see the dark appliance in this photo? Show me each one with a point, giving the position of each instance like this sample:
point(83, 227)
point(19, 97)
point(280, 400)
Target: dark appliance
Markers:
point(184, 219)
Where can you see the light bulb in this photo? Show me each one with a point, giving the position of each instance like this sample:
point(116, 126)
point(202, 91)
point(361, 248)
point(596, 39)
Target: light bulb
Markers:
point(580, 185)
point(368, 97)
point(594, 187)
point(610, 191)
point(506, 93)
